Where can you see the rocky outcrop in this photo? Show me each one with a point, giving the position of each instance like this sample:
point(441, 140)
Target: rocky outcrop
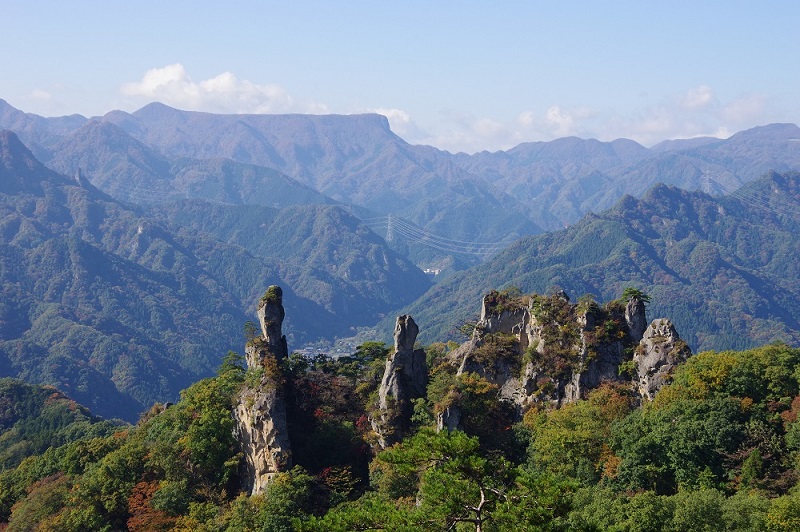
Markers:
point(405, 378)
point(547, 350)
point(260, 412)
point(656, 357)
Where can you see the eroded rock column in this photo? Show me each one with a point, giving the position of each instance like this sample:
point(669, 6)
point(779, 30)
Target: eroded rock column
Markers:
point(260, 413)
point(405, 378)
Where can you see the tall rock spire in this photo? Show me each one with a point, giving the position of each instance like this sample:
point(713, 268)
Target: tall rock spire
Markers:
point(260, 413)
point(405, 378)
point(636, 318)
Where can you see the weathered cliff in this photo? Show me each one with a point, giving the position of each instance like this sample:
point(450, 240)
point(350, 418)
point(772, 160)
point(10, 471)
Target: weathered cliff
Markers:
point(260, 412)
point(546, 350)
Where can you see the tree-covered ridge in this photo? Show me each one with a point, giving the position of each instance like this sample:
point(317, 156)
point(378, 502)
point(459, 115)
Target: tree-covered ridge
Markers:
point(35, 418)
point(718, 448)
point(323, 252)
point(103, 302)
point(722, 269)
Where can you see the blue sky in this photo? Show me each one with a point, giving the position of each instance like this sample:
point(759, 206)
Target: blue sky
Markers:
point(461, 76)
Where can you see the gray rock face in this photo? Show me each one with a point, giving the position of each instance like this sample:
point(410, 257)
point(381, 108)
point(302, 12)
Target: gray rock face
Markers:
point(660, 350)
point(506, 321)
point(562, 352)
point(262, 432)
point(602, 366)
point(636, 318)
point(450, 419)
point(404, 378)
point(260, 412)
point(270, 316)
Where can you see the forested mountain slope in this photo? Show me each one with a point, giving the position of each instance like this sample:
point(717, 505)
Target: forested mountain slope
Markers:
point(354, 159)
point(722, 268)
point(324, 253)
point(99, 300)
point(716, 448)
point(357, 160)
point(120, 309)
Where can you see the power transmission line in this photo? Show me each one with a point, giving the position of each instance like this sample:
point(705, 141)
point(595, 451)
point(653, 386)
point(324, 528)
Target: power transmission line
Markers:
point(398, 226)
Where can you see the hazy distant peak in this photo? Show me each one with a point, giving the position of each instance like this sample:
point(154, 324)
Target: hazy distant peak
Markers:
point(15, 156)
point(769, 133)
point(19, 169)
point(156, 110)
point(682, 144)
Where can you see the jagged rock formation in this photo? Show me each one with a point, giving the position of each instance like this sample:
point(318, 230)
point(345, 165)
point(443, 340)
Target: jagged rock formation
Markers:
point(546, 350)
point(405, 378)
point(657, 355)
point(260, 413)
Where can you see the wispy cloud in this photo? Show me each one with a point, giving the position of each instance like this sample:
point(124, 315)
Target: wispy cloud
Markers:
point(698, 97)
point(401, 123)
point(696, 111)
point(41, 95)
point(224, 93)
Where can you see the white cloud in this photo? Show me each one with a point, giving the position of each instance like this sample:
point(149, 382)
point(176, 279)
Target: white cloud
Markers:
point(41, 95)
point(556, 121)
point(468, 133)
point(48, 101)
point(400, 122)
point(698, 97)
point(224, 93)
point(695, 112)
point(565, 122)
point(744, 110)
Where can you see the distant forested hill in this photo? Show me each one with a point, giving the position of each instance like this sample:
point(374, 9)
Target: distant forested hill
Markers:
point(723, 269)
point(36, 418)
point(561, 180)
point(322, 252)
point(437, 209)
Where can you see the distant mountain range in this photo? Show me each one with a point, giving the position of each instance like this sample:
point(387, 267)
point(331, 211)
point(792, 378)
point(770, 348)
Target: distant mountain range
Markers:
point(357, 160)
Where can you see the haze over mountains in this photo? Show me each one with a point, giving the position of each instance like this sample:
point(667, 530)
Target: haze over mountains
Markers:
point(120, 309)
point(358, 161)
point(144, 267)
